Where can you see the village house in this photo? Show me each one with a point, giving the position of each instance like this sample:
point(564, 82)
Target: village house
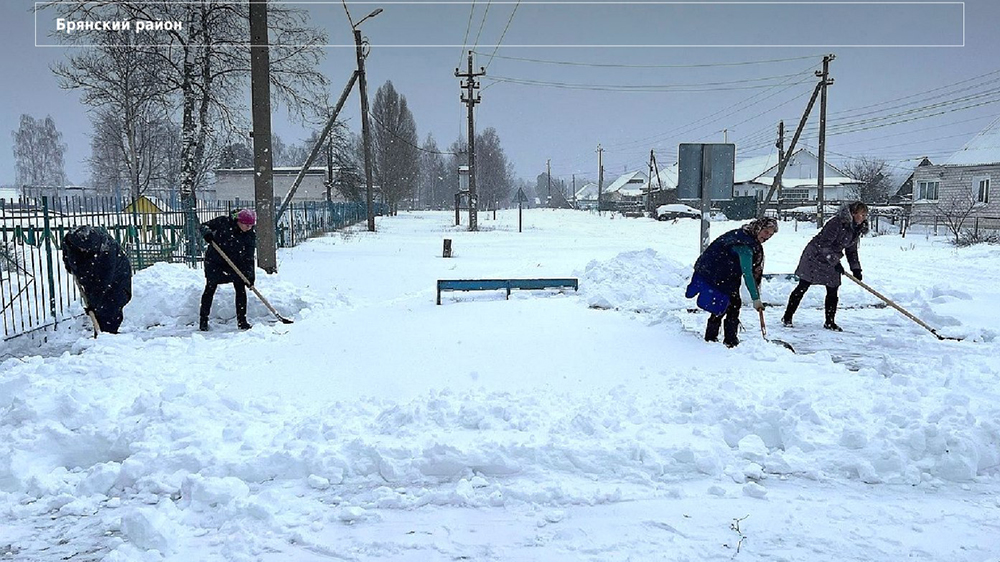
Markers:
point(961, 188)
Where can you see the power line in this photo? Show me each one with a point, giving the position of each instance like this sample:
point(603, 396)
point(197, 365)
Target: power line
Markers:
point(693, 87)
point(502, 35)
point(468, 28)
point(482, 23)
point(612, 65)
point(393, 133)
point(722, 113)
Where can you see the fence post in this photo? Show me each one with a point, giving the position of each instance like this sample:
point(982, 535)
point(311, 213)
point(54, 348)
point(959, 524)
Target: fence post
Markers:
point(138, 239)
point(47, 237)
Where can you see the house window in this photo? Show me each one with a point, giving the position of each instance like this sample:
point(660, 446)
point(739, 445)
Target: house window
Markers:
point(927, 190)
point(796, 194)
point(983, 193)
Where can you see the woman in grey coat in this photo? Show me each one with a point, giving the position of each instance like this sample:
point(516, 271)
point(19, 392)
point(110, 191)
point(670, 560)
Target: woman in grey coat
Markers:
point(820, 261)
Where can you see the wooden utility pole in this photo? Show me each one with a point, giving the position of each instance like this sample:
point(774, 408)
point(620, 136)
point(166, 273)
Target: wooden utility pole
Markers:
point(825, 81)
point(548, 180)
point(649, 185)
point(574, 191)
point(260, 95)
point(791, 149)
point(780, 144)
point(470, 98)
point(600, 176)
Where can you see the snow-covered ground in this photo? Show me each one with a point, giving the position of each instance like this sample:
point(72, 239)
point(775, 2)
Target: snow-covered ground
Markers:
point(559, 427)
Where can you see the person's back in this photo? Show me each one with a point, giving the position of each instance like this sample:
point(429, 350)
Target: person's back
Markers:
point(103, 271)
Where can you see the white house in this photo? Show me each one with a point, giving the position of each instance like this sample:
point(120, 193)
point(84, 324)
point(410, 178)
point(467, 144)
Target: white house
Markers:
point(799, 182)
point(628, 186)
point(586, 196)
point(238, 183)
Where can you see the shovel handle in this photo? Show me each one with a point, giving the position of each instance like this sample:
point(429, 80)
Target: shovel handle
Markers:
point(763, 327)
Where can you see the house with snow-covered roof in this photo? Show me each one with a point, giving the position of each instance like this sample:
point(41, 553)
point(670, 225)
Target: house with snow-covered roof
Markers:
point(963, 183)
point(586, 196)
point(799, 182)
point(627, 185)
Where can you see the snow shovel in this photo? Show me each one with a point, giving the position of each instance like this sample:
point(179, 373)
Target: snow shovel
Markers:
point(899, 308)
point(763, 333)
point(86, 306)
point(247, 282)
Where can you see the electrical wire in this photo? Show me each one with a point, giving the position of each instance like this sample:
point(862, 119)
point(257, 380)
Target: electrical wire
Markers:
point(502, 35)
point(406, 141)
point(612, 65)
point(468, 28)
point(482, 24)
point(694, 87)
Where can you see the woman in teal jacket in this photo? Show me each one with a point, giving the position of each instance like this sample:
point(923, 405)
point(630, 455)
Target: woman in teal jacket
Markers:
point(736, 254)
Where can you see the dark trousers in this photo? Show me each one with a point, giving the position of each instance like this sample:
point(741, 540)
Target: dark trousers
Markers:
point(729, 320)
point(241, 300)
point(829, 306)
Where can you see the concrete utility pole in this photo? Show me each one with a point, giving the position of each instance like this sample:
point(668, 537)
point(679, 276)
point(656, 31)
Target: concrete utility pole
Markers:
point(365, 133)
point(471, 98)
point(359, 44)
point(825, 81)
point(600, 176)
point(260, 94)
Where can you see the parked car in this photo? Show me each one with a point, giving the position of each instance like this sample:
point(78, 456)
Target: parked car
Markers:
point(676, 211)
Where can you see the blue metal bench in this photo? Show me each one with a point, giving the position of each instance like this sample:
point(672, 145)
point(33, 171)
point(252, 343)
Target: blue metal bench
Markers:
point(508, 284)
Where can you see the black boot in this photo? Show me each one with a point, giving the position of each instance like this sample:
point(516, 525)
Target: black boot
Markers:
point(830, 309)
point(712, 329)
point(203, 324)
point(243, 324)
point(794, 299)
point(731, 327)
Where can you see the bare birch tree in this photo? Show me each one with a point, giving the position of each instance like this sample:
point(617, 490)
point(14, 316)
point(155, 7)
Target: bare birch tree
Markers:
point(38, 153)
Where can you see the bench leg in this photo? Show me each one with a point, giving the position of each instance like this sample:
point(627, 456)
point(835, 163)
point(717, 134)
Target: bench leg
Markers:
point(439, 296)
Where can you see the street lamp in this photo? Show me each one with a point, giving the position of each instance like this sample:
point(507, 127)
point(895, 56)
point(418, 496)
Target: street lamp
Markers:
point(365, 136)
point(374, 13)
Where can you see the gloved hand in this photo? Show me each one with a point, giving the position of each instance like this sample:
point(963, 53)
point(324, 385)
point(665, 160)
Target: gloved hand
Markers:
point(856, 273)
point(839, 268)
point(208, 236)
point(758, 305)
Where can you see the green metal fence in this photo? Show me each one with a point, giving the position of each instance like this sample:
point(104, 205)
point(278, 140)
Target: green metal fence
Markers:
point(36, 292)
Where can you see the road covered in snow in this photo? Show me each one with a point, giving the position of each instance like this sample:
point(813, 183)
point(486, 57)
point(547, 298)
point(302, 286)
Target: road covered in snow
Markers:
point(590, 425)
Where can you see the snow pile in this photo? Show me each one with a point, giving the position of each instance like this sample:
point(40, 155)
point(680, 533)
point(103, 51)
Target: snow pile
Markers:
point(641, 281)
point(169, 295)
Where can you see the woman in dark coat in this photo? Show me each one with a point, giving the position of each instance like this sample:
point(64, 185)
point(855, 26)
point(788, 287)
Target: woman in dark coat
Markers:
point(716, 280)
point(103, 272)
point(820, 261)
point(235, 235)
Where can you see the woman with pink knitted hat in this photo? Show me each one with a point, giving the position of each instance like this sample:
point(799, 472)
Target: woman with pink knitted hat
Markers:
point(235, 235)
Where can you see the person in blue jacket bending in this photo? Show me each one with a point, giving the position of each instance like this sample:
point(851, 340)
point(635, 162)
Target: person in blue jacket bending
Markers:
point(716, 280)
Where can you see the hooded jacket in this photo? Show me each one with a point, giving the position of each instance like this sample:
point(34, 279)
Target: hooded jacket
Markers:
point(821, 255)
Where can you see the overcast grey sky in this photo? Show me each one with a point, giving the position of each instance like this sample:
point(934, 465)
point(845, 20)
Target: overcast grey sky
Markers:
point(632, 77)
